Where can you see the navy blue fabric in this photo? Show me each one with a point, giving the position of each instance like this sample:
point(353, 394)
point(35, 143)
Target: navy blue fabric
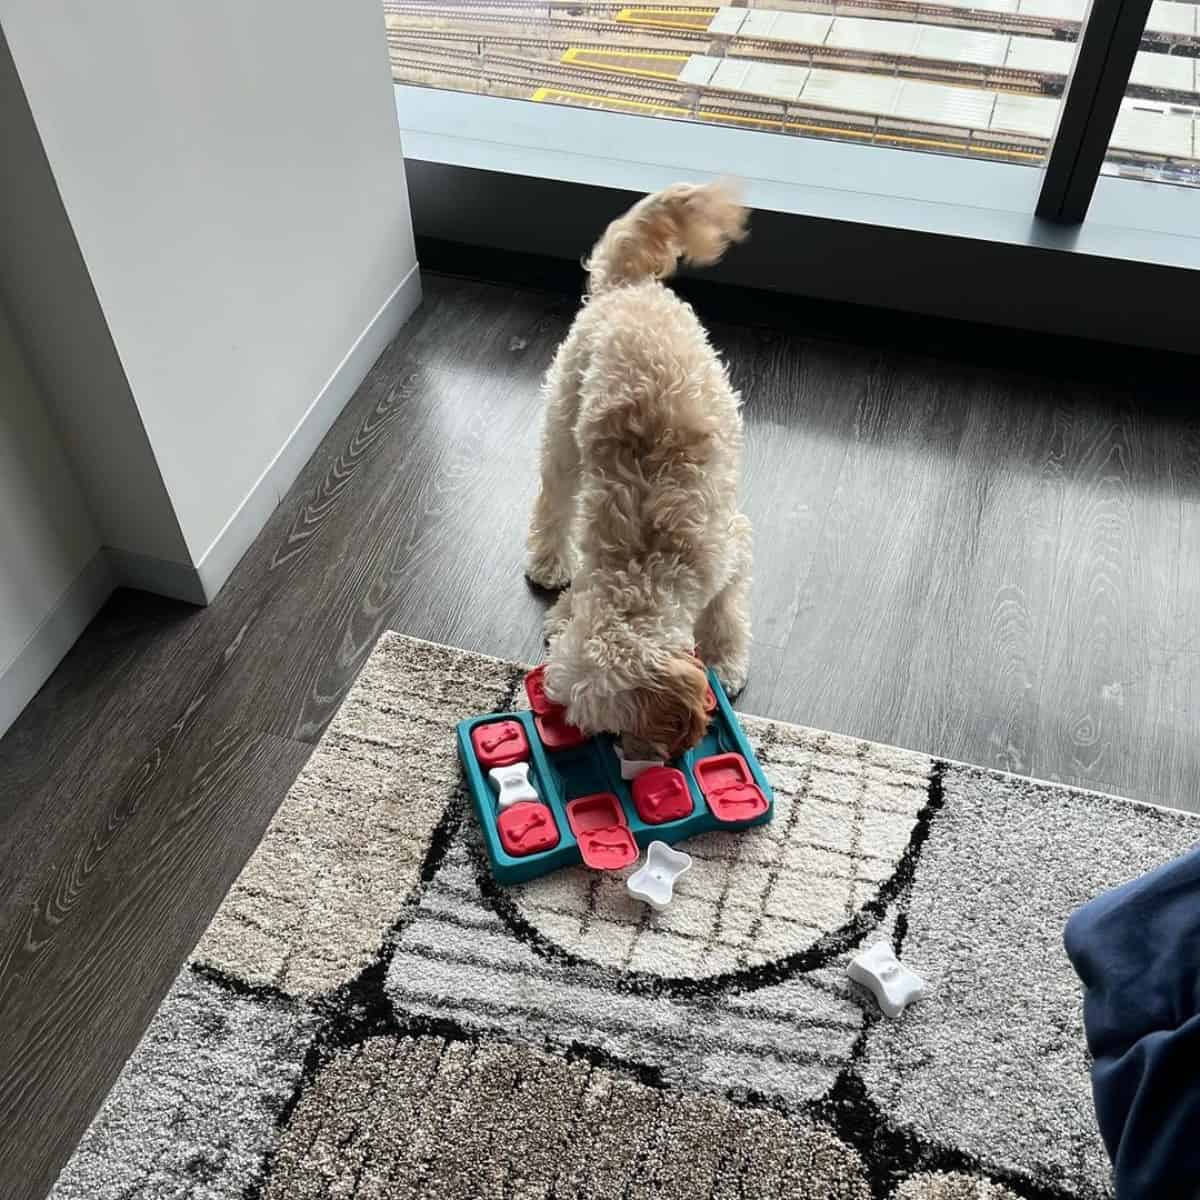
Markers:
point(1137, 951)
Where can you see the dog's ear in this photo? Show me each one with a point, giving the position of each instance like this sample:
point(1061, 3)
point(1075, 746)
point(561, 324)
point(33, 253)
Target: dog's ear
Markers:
point(671, 714)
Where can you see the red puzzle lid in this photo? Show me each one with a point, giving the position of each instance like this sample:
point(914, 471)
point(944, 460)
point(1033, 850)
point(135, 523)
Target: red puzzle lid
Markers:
point(500, 743)
point(535, 689)
point(527, 828)
point(662, 794)
point(601, 810)
point(720, 771)
point(736, 803)
point(608, 849)
point(556, 734)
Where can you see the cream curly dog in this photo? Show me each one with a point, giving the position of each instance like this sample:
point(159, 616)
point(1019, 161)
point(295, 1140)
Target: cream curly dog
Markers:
point(638, 506)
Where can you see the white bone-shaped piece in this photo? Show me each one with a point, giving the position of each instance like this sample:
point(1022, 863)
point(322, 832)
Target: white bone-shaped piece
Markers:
point(631, 768)
point(654, 883)
point(512, 784)
point(879, 970)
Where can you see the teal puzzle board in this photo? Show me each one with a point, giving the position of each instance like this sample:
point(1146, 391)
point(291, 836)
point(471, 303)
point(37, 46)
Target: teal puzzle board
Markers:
point(585, 811)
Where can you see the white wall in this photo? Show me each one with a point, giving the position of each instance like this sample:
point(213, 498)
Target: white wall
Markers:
point(48, 540)
point(54, 310)
point(204, 245)
point(233, 176)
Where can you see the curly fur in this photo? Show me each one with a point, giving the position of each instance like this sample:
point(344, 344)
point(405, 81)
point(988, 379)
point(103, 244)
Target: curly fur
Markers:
point(639, 473)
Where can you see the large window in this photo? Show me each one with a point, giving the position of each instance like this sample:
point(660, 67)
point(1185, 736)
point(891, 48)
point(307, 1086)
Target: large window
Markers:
point(1009, 161)
point(979, 78)
point(939, 77)
point(1155, 135)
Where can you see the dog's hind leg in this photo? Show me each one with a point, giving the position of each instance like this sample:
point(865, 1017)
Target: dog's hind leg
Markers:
point(723, 628)
point(550, 552)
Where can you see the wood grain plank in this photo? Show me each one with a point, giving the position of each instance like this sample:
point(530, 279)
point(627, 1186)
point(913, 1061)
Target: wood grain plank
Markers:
point(1141, 685)
point(796, 420)
point(1087, 630)
point(981, 629)
point(850, 659)
point(84, 971)
point(1168, 765)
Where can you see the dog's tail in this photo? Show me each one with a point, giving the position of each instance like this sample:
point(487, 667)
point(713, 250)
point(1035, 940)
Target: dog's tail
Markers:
point(688, 221)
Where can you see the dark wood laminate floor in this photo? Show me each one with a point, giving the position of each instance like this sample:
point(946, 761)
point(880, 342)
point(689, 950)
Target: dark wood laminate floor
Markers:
point(989, 565)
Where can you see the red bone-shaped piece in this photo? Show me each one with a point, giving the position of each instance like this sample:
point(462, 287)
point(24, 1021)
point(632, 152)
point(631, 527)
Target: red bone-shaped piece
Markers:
point(661, 794)
point(527, 828)
point(500, 744)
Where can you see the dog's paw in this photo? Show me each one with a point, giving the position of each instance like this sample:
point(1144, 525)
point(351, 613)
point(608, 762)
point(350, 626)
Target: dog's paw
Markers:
point(548, 572)
point(558, 615)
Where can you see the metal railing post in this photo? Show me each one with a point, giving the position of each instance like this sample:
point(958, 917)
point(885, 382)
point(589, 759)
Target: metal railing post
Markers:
point(1108, 42)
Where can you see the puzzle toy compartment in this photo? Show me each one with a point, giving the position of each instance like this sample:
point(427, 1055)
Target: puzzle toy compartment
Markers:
point(547, 796)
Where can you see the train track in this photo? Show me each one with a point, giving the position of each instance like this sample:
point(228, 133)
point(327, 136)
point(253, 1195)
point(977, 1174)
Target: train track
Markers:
point(527, 79)
point(690, 42)
point(565, 13)
point(565, 40)
point(556, 83)
point(522, 72)
point(629, 58)
point(1062, 27)
point(611, 37)
point(820, 123)
point(997, 78)
point(541, 6)
point(666, 98)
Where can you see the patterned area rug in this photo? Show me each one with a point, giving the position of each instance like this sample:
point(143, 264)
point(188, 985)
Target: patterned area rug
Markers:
point(370, 1016)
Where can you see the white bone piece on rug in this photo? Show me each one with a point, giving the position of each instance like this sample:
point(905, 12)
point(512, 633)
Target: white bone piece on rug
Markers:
point(654, 883)
point(512, 784)
point(894, 986)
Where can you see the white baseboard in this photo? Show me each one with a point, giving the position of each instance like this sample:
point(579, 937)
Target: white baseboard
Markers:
point(162, 576)
point(33, 665)
point(218, 561)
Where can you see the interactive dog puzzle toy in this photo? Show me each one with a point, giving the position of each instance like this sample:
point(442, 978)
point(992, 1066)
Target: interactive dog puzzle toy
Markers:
point(894, 986)
point(654, 883)
point(548, 796)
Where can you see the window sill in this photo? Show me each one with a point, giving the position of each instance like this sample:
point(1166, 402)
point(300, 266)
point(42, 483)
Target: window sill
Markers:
point(915, 217)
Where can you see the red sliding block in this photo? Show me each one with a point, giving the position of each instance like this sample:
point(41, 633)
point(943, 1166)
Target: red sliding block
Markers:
point(605, 840)
point(733, 796)
point(527, 828)
point(721, 770)
point(500, 744)
point(601, 810)
point(608, 849)
point(535, 689)
point(661, 794)
point(556, 734)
